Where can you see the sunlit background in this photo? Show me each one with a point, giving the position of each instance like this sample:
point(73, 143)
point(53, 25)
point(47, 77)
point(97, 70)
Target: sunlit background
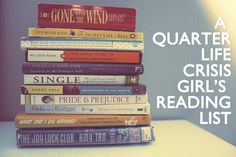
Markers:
point(227, 10)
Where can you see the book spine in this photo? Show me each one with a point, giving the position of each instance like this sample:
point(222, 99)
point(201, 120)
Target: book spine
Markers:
point(89, 109)
point(85, 34)
point(80, 79)
point(84, 90)
point(82, 68)
point(84, 56)
point(86, 17)
point(78, 137)
point(24, 120)
point(83, 99)
point(76, 43)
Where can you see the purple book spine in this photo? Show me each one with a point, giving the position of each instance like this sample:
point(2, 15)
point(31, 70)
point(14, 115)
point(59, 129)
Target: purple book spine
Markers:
point(87, 90)
point(82, 68)
point(80, 137)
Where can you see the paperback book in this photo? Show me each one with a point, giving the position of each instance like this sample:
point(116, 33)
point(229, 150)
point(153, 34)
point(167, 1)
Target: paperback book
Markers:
point(80, 44)
point(80, 79)
point(24, 120)
point(83, 99)
point(76, 137)
point(89, 109)
point(84, 33)
point(105, 89)
point(84, 56)
point(82, 68)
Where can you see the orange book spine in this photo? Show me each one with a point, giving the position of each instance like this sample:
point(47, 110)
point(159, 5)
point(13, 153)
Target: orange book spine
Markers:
point(84, 56)
point(24, 120)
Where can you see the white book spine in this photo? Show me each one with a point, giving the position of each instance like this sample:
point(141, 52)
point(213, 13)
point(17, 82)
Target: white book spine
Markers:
point(85, 44)
point(88, 109)
point(79, 79)
point(83, 99)
point(45, 55)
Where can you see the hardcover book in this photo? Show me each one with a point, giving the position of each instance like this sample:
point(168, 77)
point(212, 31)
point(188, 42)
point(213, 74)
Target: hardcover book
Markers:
point(80, 79)
point(89, 109)
point(24, 120)
point(84, 89)
point(84, 16)
point(84, 33)
point(133, 57)
point(82, 68)
point(78, 137)
point(80, 44)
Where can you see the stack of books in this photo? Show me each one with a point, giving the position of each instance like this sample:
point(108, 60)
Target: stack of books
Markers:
point(81, 79)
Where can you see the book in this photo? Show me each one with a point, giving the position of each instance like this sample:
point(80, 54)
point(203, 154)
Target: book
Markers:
point(24, 120)
point(80, 44)
point(83, 99)
point(80, 79)
point(88, 109)
point(84, 33)
point(86, 17)
point(79, 137)
point(84, 89)
point(82, 68)
point(81, 56)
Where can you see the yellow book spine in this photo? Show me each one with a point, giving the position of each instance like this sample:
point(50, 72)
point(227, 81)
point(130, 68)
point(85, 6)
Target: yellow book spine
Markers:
point(41, 89)
point(81, 33)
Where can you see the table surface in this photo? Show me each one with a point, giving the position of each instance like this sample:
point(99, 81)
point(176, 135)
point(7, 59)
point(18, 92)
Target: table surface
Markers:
point(175, 138)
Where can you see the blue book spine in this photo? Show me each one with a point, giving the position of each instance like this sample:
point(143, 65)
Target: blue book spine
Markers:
point(82, 137)
point(112, 90)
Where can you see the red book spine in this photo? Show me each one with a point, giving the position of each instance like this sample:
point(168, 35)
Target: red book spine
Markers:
point(86, 17)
